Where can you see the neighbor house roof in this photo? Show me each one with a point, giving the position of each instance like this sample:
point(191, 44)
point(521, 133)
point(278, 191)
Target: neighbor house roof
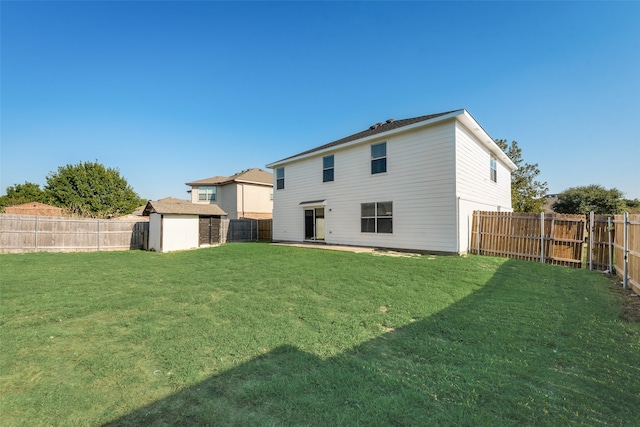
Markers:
point(34, 208)
point(392, 126)
point(171, 205)
point(249, 176)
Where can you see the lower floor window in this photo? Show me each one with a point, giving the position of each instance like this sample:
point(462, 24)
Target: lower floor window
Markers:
point(376, 217)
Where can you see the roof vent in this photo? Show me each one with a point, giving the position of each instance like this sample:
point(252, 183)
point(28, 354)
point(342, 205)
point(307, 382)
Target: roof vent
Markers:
point(389, 120)
point(376, 126)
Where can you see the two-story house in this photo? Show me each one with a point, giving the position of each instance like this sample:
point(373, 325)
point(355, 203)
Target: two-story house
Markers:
point(406, 184)
point(247, 194)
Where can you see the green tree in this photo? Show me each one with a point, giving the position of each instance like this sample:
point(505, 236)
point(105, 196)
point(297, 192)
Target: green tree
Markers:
point(590, 198)
point(22, 193)
point(527, 193)
point(632, 206)
point(91, 190)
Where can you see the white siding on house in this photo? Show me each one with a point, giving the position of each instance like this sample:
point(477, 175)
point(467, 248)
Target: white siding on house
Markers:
point(474, 188)
point(420, 181)
point(438, 173)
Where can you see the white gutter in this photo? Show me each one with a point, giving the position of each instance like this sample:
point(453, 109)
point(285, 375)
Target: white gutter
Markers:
point(470, 123)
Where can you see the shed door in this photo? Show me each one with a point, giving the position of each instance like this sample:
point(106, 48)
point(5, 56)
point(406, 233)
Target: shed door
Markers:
point(209, 230)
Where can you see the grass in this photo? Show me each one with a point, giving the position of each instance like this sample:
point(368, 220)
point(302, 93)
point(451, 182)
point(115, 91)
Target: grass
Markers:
point(256, 334)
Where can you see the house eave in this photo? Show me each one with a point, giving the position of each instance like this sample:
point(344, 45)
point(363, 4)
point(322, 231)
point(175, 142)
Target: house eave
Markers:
point(264, 184)
point(472, 125)
point(377, 136)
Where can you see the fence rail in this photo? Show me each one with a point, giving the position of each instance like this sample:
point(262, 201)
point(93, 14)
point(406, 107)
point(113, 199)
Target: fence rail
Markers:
point(25, 233)
point(626, 248)
point(28, 233)
point(245, 230)
point(551, 238)
point(613, 241)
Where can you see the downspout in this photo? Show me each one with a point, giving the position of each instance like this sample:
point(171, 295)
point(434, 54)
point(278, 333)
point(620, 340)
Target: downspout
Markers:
point(458, 248)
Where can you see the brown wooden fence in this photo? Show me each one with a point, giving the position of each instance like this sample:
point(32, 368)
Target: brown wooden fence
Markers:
point(265, 229)
point(547, 238)
point(245, 230)
point(613, 241)
point(626, 249)
point(26, 233)
point(600, 238)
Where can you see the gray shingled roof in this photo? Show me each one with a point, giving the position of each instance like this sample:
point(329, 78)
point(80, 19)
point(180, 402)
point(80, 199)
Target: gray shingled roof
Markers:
point(254, 175)
point(373, 130)
point(181, 207)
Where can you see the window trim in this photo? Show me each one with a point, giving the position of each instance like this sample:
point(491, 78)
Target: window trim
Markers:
point(326, 169)
point(379, 159)
point(493, 169)
point(376, 217)
point(280, 179)
point(209, 190)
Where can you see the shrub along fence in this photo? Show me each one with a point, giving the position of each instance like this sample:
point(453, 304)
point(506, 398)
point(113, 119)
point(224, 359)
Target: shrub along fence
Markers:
point(26, 233)
point(613, 241)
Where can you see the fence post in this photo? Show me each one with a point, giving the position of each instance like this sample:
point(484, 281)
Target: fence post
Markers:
point(36, 230)
point(98, 235)
point(478, 242)
point(609, 229)
point(542, 237)
point(590, 240)
point(626, 251)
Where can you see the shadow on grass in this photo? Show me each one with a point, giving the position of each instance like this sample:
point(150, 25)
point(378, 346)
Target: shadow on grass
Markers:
point(507, 354)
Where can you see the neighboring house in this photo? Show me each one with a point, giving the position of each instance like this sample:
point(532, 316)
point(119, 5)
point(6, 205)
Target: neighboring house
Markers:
point(136, 215)
point(34, 208)
point(406, 184)
point(550, 199)
point(176, 224)
point(247, 194)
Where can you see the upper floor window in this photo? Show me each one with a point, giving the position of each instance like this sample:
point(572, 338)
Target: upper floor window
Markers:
point(207, 194)
point(493, 170)
point(327, 168)
point(279, 178)
point(376, 217)
point(379, 158)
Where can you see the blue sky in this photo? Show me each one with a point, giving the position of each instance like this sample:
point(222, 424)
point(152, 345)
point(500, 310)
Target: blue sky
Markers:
point(171, 92)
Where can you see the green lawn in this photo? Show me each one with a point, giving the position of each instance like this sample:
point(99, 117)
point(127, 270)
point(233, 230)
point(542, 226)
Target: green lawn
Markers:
point(257, 334)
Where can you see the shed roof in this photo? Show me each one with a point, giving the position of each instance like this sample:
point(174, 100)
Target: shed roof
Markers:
point(252, 176)
point(171, 205)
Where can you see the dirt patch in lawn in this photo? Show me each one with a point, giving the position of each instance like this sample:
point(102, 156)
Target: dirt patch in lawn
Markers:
point(630, 304)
